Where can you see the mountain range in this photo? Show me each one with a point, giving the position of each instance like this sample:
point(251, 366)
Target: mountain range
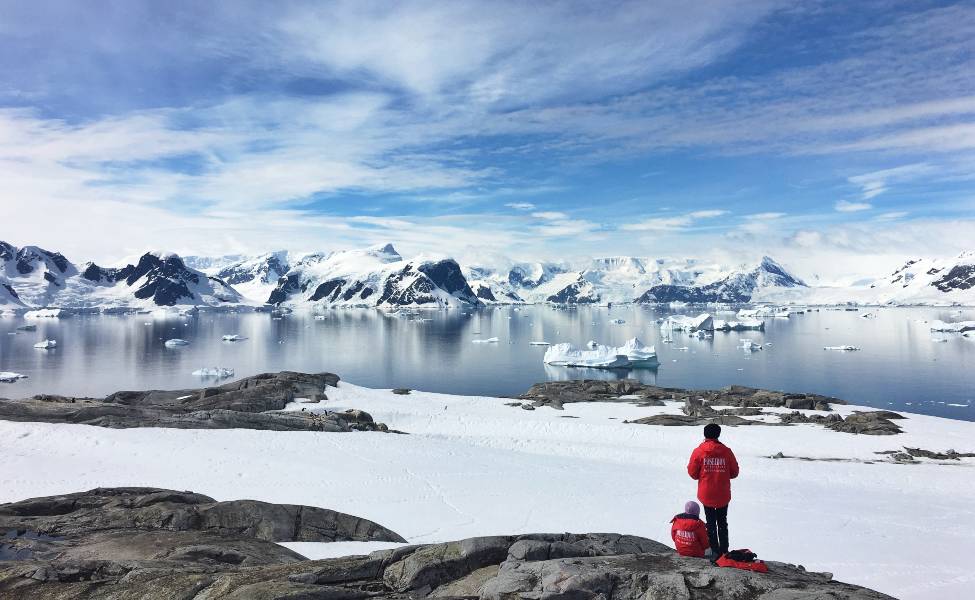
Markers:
point(378, 276)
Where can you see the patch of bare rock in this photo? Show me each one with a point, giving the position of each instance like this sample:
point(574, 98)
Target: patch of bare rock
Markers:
point(122, 543)
point(255, 402)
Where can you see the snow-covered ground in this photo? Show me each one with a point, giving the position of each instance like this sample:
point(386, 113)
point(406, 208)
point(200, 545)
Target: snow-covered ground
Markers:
point(473, 466)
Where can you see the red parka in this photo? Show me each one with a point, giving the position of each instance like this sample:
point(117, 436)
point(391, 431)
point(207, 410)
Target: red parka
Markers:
point(713, 465)
point(690, 535)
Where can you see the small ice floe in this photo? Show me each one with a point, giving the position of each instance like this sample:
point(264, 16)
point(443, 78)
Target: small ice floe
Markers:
point(27, 328)
point(750, 346)
point(617, 321)
point(940, 340)
point(591, 344)
point(632, 354)
point(702, 334)
point(214, 372)
point(319, 317)
point(43, 313)
point(46, 344)
point(869, 315)
point(233, 338)
point(682, 349)
point(842, 348)
point(538, 343)
point(175, 343)
point(492, 340)
point(10, 376)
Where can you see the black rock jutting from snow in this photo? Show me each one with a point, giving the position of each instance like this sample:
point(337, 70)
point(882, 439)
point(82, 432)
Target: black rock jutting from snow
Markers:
point(699, 405)
point(166, 280)
point(255, 402)
point(118, 543)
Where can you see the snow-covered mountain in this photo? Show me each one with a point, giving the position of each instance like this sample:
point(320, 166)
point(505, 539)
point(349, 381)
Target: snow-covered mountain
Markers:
point(920, 281)
point(375, 276)
point(38, 277)
point(739, 286)
point(255, 277)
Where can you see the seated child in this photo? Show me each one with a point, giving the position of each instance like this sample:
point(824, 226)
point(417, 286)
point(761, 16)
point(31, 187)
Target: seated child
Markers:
point(689, 532)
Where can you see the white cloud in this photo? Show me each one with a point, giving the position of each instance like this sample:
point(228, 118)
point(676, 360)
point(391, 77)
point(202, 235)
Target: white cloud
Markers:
point(674, 223)
point(520, 205)
point(877, 182)
point(550, 215)
point(765, 216)
point(846, 206)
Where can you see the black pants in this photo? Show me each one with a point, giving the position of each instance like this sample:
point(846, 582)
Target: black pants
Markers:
point(717, 519)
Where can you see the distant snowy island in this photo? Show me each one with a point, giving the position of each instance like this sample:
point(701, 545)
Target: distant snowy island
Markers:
point(378, 276)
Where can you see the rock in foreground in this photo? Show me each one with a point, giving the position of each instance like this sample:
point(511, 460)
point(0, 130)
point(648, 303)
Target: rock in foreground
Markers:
point(120, 543)
point(250, 403)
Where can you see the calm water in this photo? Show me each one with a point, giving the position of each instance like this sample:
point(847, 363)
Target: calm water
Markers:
point(899, 366)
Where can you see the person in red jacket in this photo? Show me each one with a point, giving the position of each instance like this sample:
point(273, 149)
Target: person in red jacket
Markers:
point(688, 531)
point(713, 465)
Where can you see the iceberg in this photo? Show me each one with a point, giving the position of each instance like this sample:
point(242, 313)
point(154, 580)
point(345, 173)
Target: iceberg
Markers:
point(10, 376)
point(956, 327)
point(176, 342)
point(46, 344)
point(43, 313)
point(539, 344)
point(684, 323)
point(214, 372)
point(492, 340)
point(742, 325)
point(632, 354)
point(233, 338)
point(27, 328)
point(842, 348)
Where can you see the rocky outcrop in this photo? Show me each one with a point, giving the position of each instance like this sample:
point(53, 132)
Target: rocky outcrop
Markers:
point(250, 403)
point(119, 543)
point(557, 393)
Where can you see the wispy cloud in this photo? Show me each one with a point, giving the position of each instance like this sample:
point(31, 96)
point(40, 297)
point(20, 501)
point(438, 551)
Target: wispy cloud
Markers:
point(846, 206)
point(520, 205)
point(674, 223)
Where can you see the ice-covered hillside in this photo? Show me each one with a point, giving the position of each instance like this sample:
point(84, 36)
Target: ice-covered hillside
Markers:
point(920, 281)
point(375, 276)
point(738, 286)
point(39, 277)
point(255, 277)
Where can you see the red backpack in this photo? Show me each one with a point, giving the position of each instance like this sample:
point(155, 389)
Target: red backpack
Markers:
point(742, 559)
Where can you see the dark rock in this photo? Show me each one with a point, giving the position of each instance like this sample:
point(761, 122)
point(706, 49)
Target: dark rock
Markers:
point(949, 455)
point(402, 391)
point(686, 420)
point(870, 423)
point(568, 566)
point(527, 407)
point(250, 403)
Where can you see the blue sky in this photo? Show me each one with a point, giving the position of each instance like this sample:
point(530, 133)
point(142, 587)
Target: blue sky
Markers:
point(837, 136)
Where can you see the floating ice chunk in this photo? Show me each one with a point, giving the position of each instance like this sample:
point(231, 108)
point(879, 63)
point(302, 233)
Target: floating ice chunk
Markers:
point(842, 348)
point(684, 323)
point(869, 315)
point(939, 339)
point(214, 372)
point(492, 340)
point(750, 346)
point(319, 317)
point(539, 343)
point(233, 338)
point(27, 328)
point(702, 334)
point(632, 354)
point(43, 313)
point(742, 325)
point(46, 344)
point(956, 327)
point(10, 376)
point(618, 321)
point(175, 342)
point(591, 344)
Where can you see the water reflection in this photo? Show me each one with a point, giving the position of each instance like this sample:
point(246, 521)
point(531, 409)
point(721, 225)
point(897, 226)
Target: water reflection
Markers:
point(899, 365)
